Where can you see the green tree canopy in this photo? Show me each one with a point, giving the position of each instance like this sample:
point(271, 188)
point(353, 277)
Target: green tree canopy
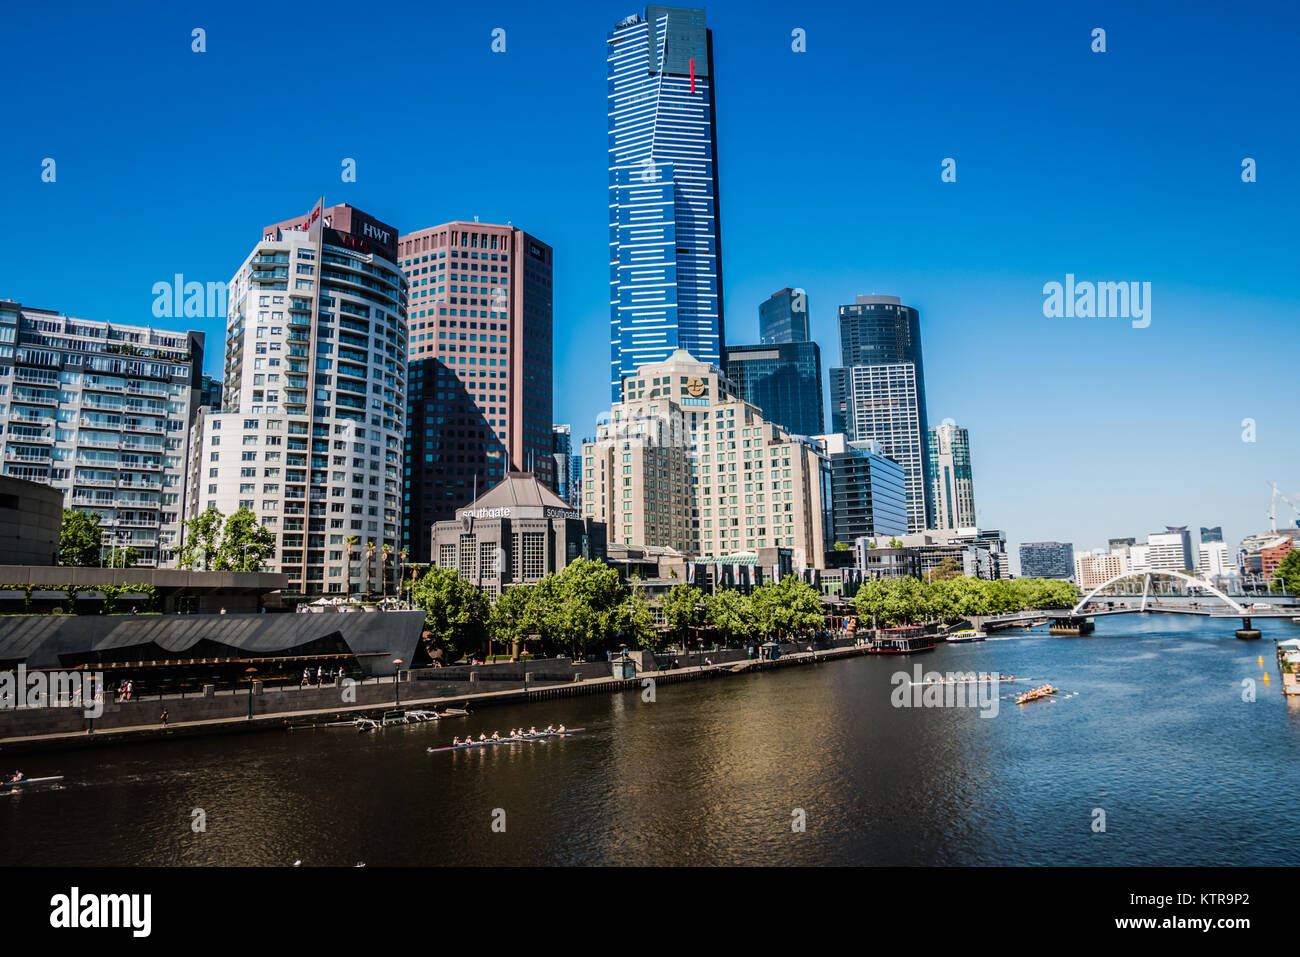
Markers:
point(455, 611)
point(79, 538)
point(1288, 571)
point(202, 539)
point(730, 613)
point(245, 545)
point(682, 609)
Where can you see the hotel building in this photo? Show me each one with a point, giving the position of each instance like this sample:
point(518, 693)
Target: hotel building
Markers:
point(313, 417)
point(101, 411)
point(481, 373)
point(665, 243)
point(683, 463)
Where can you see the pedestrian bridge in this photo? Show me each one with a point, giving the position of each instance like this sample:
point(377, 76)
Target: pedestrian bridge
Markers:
point(1227, 607)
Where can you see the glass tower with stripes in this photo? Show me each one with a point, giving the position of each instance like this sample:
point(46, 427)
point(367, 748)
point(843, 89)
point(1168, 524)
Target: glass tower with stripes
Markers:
point(665, 249)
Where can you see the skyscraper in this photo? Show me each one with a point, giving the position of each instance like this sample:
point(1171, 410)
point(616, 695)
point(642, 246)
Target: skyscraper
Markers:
point(310, 439)
point(665, 246)
point(867, 490)
point(481, 379)
point(101, 411)
point(952, 490)
point(562, 453)
point(784, 380)
point(878, 391)
point(783, 317)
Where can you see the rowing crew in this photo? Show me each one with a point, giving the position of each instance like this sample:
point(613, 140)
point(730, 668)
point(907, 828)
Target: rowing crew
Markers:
point(515, 734)
point(14, 778)
point(957, 680)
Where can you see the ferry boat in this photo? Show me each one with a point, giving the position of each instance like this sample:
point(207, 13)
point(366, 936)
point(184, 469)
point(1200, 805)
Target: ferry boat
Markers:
point(966, 634)
point(901, 641)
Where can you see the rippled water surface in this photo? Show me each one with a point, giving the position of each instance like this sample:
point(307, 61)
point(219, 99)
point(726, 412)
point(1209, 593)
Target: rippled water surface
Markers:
point(1155, 733)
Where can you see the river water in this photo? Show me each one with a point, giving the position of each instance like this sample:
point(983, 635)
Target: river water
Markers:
point(1155, 734)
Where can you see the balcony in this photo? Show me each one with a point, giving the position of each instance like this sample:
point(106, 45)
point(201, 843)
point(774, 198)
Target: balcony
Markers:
point(96, 442)
point(31, 458)
point(29, 397)
point(143, 425)
point(95, 482)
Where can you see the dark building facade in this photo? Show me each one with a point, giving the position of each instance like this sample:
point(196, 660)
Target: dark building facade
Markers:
point(868, 493)
point(1047, 560)
point(784, 380)
point(783, 317)
point(1214, 534)
point(882, 370)
point(31, 520)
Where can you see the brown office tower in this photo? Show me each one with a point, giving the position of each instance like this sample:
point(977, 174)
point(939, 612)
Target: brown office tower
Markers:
point(479, 389)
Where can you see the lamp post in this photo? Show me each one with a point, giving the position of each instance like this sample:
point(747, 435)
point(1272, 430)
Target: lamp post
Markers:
point(397, 685)
point(250, 672)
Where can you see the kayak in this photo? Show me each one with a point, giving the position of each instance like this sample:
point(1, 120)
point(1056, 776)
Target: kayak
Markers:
point(18, 784)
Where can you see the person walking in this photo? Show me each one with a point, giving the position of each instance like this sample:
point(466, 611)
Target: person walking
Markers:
point(306, 677)
point(320, 676)
point(163, 716)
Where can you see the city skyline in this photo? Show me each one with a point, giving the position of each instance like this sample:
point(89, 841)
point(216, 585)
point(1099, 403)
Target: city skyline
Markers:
point(1165, 208)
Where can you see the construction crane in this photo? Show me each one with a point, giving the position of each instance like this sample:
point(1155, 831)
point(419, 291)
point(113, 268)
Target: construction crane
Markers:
point(1272, 509)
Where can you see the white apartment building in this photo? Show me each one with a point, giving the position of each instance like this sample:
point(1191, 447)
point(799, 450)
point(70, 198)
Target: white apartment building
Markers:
point(1214, 562)
point(682, 462)
point(311, 433)
point(102, 412)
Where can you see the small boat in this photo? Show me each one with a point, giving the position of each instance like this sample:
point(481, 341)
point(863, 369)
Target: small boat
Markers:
point(453, 712)
point(965, 635)
point(1035, 694)
point(17, 784)
point(394, 717)
point(491, 741)
point(366, 724)
point(419, 716)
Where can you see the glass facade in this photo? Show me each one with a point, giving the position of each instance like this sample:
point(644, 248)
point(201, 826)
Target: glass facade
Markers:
point(784, 317)
point(784, 381)
point(1047, 560)
point(952, 493)
point(665, 268)
point(868, 494)
point(878, 391)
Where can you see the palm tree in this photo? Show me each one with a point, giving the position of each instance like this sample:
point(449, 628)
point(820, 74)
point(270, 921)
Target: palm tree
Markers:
point(370, 557)
point(401, 570)
point(386, 552)
point(350, 543)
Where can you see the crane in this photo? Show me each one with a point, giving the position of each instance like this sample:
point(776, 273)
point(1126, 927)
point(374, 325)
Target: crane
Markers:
point(1272, 510)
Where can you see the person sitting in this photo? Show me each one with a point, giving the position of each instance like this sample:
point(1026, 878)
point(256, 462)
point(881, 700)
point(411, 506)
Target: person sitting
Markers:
point(496, 735)
point(482, 736)
point(18, 776)
point(532, 729)
point(455, 742)
point(560, 729)
point(550, 729)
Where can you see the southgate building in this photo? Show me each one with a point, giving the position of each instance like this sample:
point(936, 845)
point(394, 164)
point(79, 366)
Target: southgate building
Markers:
point(480, 396)
point(310, 433)
point(683, 463)
point(665, 247)
point(101, 411)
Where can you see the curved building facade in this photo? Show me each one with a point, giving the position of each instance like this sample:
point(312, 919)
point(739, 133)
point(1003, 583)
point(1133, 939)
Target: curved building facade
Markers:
point(311, 434)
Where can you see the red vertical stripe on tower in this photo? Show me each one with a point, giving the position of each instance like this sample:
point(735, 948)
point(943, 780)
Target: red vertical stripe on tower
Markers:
point(692, 76)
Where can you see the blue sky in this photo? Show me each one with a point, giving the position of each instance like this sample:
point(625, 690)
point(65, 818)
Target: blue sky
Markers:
point(1117, 166)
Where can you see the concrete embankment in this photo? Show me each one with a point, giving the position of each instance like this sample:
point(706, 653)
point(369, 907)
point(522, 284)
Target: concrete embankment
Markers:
point(479, 686)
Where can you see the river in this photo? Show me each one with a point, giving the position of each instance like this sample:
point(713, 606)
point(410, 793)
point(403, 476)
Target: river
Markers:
point(1154, 733)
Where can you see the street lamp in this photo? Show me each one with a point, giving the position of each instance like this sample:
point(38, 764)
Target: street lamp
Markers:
point(397, 687)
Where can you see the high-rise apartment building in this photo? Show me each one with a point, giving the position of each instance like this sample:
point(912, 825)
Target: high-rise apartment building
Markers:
point(1047, 560)
point(1092, 570)
point(783, 380)
point(682, 462)
point(665, 244)
point(1171, 549)
point(783, 317)
point(1213, 560)
point(481, 371)
point(878, 391)
point(102, 412)
point(868, 491)
point(952, 488)
point(311, 433)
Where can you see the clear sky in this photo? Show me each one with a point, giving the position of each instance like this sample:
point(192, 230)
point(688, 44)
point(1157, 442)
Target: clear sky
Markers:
point(1123, 165)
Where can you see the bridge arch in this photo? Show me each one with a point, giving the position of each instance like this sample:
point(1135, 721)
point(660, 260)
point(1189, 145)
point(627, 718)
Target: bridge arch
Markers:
point(1195, 582)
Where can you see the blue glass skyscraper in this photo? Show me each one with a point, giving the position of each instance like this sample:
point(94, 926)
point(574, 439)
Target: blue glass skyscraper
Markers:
point(665, 249)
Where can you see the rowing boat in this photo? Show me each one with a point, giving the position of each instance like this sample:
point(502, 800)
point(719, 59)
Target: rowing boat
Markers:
point(18, 784)
point(1035, 694)
point(491, 741)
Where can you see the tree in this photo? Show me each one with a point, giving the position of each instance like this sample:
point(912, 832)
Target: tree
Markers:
point(455, 611)
point(245, 544)
point(682, 609)
point(589, 595)
point(895, 542)
point(729, 613)
point(79, 538)
point(637, 620)
point(123, 557)
point(508, 617)
point(349, 543)
point(949, 567)
point(1288, 571)
point(386, 552)
point(787, 607)
point(202, 535)
point(841, 546)
point(370, 557)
